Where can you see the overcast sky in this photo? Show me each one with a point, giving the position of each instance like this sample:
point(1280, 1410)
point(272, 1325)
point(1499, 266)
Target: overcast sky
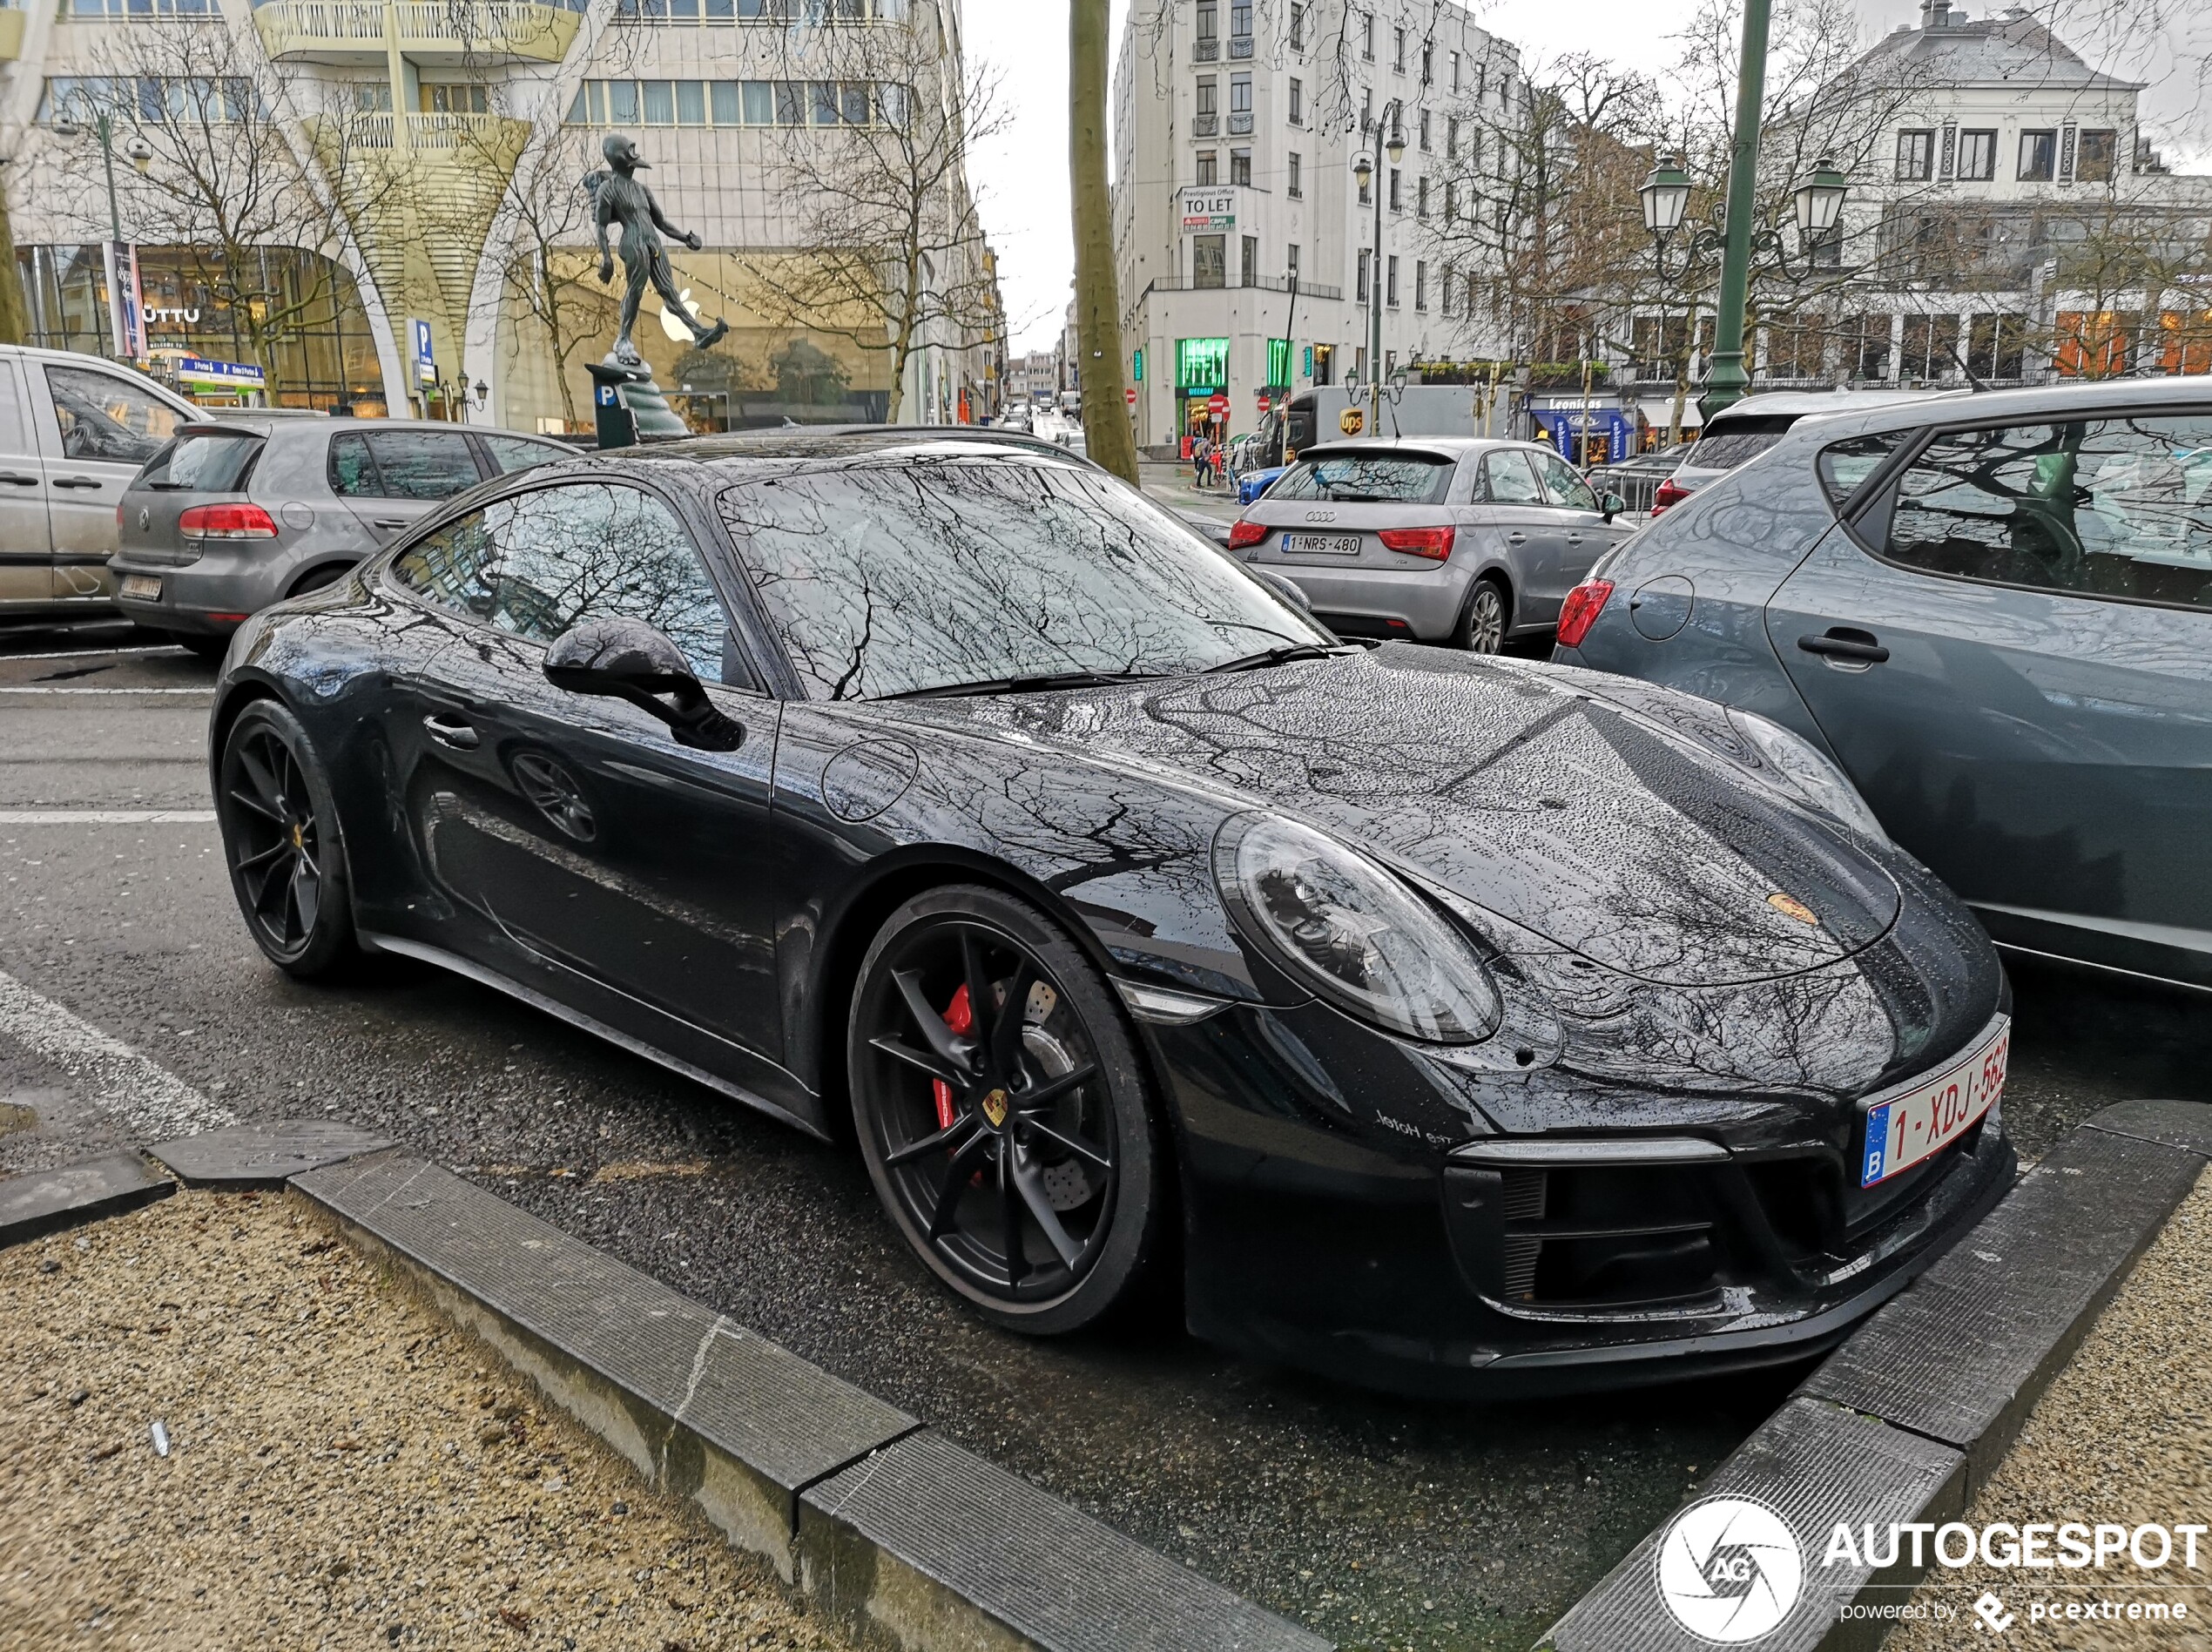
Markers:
point(1022, 175)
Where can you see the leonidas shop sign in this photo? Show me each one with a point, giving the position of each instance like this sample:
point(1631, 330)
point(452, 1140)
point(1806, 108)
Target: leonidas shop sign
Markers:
point(1207, 210)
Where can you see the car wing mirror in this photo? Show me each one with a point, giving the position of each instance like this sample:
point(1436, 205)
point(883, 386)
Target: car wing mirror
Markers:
point(1287, 589)
point(629, 660)
point(1612, 504)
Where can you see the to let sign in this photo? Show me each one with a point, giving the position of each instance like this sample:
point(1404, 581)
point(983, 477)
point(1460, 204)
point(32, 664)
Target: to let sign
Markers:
point(1207, 210)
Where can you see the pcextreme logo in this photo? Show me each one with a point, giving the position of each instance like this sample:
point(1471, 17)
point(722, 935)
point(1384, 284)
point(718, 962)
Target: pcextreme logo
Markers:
point(1729, 1568)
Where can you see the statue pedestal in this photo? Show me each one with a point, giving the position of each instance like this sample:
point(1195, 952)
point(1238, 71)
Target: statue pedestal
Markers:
point(629, 405)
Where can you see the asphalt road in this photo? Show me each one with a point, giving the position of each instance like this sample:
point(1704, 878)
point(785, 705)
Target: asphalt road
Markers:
point(1382, 1523)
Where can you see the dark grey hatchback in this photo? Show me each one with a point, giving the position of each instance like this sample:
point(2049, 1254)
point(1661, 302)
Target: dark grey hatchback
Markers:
point(1996, 613)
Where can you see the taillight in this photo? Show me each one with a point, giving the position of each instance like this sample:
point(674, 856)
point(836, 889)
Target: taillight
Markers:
point(1580, 611)
point(226, 521)
point(1435, 543)
point(1671, 492)
point(1242, 534)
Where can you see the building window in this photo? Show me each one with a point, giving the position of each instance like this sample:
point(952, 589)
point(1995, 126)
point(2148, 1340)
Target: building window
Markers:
point(1420, 284)
point(1209, 43)
point(1240, 167)
point(1916, 154)
point(1424, 132)
point(1240, 104)
point(1251, 263)
point(1290, 260)
point(1207, 173)
point(1202, 364)
point(1297, 28)
point(1295, 187)
point(1455, 71)
point(2093, 162)
point(1367, 36)
point(1366, 108)
point(1450, 202)
point(1297, 101)
point(1390, 281)
point(1360, 286)
point(1428, 63)
point(1208, 257)
point(1421, 196)
point(1976, 157)
point(2038, 157)
point(1396, 204)
point(698, 103)
point(1996, 345)
point(1451, 137)
point(1398, 52)
point(1930, 343)
point(1240, 28)
point(1366, 189)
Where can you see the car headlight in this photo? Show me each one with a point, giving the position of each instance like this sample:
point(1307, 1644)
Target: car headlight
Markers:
point(1353, 933)
point(1805, 772)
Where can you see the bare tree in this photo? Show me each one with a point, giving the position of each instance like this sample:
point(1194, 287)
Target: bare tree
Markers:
point(15, 308)
point(544, 219)
point(877, 139)
point(1107, 434)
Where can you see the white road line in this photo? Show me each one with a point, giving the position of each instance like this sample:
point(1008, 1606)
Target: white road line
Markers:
point(153, 1103)
point(210, 689)
point(106, 817)
point(101, 653)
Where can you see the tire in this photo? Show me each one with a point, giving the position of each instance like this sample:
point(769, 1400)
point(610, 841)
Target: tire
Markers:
point(208, 647)
point(281, 844)
point(316, 578)
point(1483, 621)
point(1086, 1156)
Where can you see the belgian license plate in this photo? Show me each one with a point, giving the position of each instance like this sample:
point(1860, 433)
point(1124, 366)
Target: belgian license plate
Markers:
point(1321, 544)
point(1903, 1128)
point(143, 587)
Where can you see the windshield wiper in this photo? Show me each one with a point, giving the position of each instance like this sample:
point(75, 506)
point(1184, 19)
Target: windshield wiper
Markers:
point(1041, 683)
point(1281, 656)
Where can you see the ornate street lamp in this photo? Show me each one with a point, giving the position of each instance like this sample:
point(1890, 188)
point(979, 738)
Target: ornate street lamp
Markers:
point(1666, 197)
point(1363, 168)
point(1820, 198)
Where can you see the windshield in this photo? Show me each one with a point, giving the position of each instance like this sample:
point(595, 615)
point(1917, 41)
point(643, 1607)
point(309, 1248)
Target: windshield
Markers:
point(1412, 479)
point(898, 578)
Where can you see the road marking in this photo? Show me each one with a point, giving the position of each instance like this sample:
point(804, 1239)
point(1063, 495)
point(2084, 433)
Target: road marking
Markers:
point(106, 817)
point(11, 690)
point(153, 1103)
point(99, 653)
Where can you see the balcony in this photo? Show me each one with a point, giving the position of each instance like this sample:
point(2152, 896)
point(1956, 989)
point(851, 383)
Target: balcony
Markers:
point(427, 31)
point(1240, 45)
point(1206, 50)
point(493, 139)
point(1204, 125)
point(1239, 124)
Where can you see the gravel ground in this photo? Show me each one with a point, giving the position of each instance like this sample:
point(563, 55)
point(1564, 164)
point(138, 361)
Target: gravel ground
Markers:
point(2124, 1435)
point(343, 1470)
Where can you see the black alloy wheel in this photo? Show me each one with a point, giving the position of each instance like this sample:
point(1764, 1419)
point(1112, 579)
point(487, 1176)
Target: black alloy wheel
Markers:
point(1482, 627)
point(281, 840)
point(1003, 1109)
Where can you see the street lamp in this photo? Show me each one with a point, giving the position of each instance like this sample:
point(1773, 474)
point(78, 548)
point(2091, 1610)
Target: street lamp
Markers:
point(1363, 168)
point(1820, 199)
point(1666, 197)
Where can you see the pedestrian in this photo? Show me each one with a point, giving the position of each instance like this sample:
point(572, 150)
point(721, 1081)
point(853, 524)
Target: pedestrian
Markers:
point(1201, 453)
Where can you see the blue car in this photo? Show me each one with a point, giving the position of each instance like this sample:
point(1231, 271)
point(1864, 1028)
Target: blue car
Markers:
point(1995, 613)
point(1253, 483)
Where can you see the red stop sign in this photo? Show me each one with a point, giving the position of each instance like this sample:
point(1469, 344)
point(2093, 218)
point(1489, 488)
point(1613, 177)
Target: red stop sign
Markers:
point(1129, 395)
point(1265, 403)
point(1217, 404)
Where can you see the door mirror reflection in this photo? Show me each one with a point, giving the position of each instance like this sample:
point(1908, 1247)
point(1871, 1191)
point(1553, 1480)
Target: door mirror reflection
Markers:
point(628, 659)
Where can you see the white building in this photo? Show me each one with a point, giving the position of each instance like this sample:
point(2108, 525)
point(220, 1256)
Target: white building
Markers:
point(1235, 130)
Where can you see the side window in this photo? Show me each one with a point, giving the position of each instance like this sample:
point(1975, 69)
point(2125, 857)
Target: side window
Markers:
point(511, 454)
point(422, 464)
point(353, 472)
point(537, 564)
point(2117, 507)
point(103, 416)
point(1847, 464)
point(1566, 488)
point(1507, 479)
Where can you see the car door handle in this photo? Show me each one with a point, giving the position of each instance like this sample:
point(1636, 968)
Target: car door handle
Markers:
point(1516, 538)
point(1574, 538)
point(451, 731)
point(1844, 644)
point(74, 481)
point(388, 522)
point(15, 479)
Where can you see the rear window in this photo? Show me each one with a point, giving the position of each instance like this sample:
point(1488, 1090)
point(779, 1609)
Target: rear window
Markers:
point(511, 454)
point(214, 462)
point(1725, 449)
point(1396, 479)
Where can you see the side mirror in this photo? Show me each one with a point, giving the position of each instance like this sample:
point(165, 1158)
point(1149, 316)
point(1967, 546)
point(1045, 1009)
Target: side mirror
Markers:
point(629, 660)
point(1612, 504)
point(1288, 590)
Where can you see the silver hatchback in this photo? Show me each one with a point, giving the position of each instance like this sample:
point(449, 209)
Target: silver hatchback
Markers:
point(1447, 540)
point(227, 518)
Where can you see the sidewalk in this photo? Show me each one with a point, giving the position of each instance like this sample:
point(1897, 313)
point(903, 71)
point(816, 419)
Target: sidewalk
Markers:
point(1170, 485)
point(342, 1469)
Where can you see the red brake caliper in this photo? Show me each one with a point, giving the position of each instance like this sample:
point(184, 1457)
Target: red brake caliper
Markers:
point(962, 1019)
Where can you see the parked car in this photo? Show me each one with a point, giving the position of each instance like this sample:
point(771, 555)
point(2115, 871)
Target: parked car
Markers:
point(1446, 540)
point(1996, 613)
point(74, 430)
point(1451, 1023)
point(1637, 478)
point(229, 517)
point(1253, 483)
point(1740, 433)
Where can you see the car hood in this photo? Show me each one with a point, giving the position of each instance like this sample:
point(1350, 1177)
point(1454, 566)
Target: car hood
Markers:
point(1508, 785)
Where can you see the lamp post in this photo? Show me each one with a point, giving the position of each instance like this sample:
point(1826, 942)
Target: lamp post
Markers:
point(122, 316)
point(1364, 170)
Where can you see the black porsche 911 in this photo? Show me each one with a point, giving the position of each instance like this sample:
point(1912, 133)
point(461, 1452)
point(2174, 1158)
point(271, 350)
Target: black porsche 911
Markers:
point(1449, 1023)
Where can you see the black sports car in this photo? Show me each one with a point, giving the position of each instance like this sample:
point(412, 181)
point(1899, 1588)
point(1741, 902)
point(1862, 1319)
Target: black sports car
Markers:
point(1448, 1023)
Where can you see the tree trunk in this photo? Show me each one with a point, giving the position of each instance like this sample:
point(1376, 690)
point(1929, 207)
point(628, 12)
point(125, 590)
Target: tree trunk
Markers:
point(1107, 431)
point(15, 309)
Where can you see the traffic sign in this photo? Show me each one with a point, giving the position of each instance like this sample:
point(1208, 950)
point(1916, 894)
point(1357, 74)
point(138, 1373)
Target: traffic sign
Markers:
point(1217, 404)
point(1265, 401)
point(1129, 395)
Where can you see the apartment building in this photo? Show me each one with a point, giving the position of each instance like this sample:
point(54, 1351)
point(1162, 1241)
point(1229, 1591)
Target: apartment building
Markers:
point(436, 255)
point(1236, 128)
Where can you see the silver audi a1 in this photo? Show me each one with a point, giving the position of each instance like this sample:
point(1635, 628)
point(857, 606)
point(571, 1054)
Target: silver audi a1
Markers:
point(1440, 540)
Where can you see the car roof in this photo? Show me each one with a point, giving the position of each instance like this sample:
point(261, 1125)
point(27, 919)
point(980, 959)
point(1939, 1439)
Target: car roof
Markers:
point(262, 420)
point(819, 442)
point(1803, 404)
point(2077, 395)
point(1423, 447)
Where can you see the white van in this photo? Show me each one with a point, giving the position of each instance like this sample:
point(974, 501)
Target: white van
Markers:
point(74, 430)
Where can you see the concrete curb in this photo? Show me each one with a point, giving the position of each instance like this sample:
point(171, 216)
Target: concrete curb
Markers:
point(907, 1540)
point(1907, 1420)
point(43, 1202)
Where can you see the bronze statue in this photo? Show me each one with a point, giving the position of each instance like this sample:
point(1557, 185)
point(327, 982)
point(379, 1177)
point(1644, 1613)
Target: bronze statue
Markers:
point(619, 197)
